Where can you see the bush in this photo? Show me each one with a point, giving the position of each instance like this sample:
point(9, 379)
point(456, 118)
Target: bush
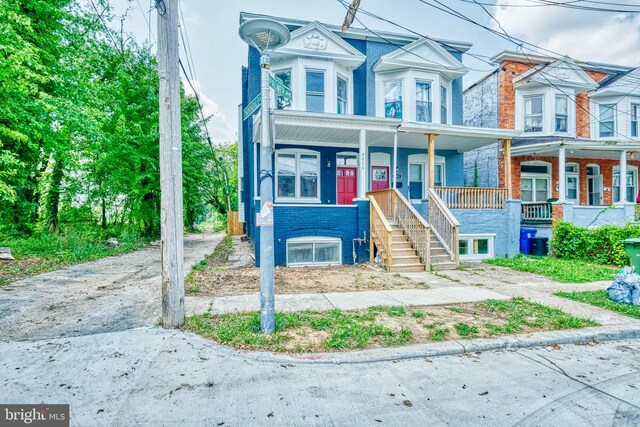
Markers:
point(601, 245)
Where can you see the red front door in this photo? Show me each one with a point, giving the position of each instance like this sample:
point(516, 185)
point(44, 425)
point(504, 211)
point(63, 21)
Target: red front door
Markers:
point(379, 177)
point(347, 184)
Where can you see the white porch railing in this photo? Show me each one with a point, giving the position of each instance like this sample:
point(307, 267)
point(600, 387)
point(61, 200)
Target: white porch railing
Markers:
point(444, 225)
point(536, 211)
point(473, 197)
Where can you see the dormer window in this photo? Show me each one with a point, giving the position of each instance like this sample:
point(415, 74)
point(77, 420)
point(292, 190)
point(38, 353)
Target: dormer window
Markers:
point(607, 120)
point(315, 91)
point(443, 104)
point(423, 101)
point(533, 113)
point(393, 99)
point(562, 113)
point(341, 92)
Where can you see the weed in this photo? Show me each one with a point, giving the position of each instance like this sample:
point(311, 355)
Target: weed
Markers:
point(417, 314)
point(561, 270)
point(466, 331)
point(394, 310)
point(439, 334)
point(601, 299)
point(455, 309)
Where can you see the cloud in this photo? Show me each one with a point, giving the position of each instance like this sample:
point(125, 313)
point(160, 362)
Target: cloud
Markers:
point(583, 35)
point(220, 129)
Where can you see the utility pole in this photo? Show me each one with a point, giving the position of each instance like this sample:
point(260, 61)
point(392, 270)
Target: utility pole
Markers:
point(171, 223)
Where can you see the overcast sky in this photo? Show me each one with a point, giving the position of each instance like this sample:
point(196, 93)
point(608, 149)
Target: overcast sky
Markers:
point(218, 52)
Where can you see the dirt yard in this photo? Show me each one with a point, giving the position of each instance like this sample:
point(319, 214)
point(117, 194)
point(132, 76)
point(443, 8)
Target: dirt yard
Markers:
point(219, 281)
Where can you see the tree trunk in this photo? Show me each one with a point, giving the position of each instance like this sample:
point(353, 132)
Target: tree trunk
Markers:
point(53, 198)
point(104, 213)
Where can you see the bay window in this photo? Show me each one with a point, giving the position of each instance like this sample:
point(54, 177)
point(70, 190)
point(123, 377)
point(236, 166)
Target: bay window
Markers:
point(443, 104)
point(315, 91)
point(298, 175)
point(285, 77)
point(607, 120)
point(533, 113)
point(423, 101)
point(562, 113)
point(393, 99)
point(341, 90)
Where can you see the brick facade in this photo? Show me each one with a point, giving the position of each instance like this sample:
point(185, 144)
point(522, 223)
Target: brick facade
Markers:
point(606, 170)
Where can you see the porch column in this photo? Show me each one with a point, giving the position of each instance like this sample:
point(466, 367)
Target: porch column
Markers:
point(506, 153)
point(623, 177)
point(562, 170)
point(362, 165)
point(431, 160)
point(394, 174)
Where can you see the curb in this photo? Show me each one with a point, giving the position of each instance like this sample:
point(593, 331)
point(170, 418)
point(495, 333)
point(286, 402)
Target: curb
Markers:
point(446, 348)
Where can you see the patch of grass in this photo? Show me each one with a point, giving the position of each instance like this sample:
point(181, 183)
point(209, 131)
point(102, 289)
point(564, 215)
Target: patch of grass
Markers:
point(466, 331)
point(439, 334)
point(417, 314)
point(193, 289)
point(560, 270)
point(76, 243)
point(601, 299)
point(216, 261)
point(520, 313)
point(393, 310)
point(455, 309)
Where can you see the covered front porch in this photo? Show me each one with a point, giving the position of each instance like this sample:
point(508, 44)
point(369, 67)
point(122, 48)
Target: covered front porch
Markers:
point(398, 167)
point(576, 181)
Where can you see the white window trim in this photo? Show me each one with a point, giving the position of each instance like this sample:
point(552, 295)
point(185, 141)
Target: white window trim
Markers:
point(477, 257)
point(601, 189)
point(634, 171)
point(615, 121)
point(446, 104)
point(637, 106)
point(555, 115)
point(324, 72)
point(524, 112)
point(415, 100)
point(347, 80)
point(573, 175)
point(423, 159)
point(532, 175)
point(402, 100)
point(298, 199)
point(313, 240)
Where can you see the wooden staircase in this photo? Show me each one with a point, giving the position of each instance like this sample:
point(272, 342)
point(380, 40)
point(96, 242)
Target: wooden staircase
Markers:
point(405, 241)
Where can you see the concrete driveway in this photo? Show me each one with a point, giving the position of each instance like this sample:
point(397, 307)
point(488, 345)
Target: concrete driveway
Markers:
point(110, 294)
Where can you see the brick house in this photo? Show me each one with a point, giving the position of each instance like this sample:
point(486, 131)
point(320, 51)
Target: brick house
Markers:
point(579, 124)
point(371, 147)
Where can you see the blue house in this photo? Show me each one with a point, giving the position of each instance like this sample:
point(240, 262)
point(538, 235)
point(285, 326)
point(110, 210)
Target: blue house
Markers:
point(369, 154)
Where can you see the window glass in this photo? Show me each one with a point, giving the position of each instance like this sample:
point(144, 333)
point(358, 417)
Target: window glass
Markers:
point(526, 189)
point(607, 121)
point(572, 187)
point(285, 77)
point(534, 168)
point(562, 113)
point(423, 101)
point(315, 91)
point(342, 96)
point(481, 247)
point(309, 175)
point(443, 104)
point(327, 252)
point(415, 181)
point(464, 247)
point(635, 109)
point(393, 99)
point(533, 114)
point(286, 175)
point(346, 160)
point(571, 168)
point(542, 189)
point(630, 186)
point(300, 253)
point(438, 175)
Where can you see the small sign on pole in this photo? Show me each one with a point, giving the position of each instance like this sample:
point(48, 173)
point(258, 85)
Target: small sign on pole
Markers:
point(252, 107)
point(265, 216)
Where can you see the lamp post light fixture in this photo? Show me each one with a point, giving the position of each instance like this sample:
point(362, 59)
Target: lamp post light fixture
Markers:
point(266, 36)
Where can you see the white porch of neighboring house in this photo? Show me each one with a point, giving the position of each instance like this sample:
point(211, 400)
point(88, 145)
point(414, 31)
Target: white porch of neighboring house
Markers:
point(403, 169)
point(577, 181)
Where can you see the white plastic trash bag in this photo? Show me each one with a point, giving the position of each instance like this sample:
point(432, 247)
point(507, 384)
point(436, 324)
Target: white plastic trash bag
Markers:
point(625, 287)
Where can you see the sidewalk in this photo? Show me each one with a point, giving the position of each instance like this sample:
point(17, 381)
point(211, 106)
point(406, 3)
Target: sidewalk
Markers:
point(343, 300)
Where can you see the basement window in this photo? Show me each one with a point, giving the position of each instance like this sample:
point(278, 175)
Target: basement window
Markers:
point(474, 247)
point(304, 251)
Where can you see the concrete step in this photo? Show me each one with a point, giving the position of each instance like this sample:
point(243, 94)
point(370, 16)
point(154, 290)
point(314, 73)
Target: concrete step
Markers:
point(406, 268)
point(442, 266)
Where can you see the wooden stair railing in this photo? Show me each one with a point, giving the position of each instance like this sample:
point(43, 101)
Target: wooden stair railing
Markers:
point(444, 225)
point(381, 234)
point(393, 205)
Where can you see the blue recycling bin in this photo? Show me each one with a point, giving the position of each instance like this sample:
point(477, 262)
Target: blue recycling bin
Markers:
point(526, 234)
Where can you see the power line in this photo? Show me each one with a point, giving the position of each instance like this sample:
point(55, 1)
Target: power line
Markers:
point(572, 4)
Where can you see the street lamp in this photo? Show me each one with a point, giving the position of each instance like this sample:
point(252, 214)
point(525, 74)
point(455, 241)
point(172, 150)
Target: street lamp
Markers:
point(266, 36)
